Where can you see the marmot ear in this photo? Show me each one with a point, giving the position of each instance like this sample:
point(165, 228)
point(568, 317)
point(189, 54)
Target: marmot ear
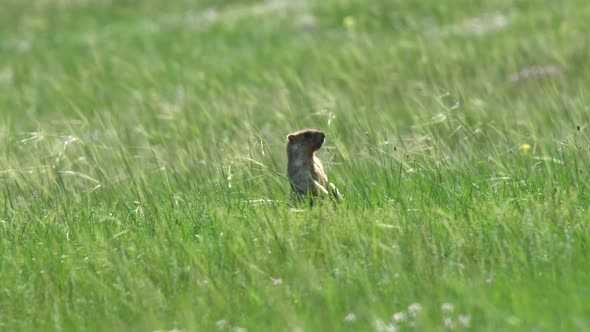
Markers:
point(291, 138)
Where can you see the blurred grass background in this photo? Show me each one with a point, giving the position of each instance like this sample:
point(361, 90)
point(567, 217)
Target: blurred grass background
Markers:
point(142, 165)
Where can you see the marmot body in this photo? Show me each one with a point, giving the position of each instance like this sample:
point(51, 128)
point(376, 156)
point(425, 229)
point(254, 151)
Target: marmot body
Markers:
point(305, 171)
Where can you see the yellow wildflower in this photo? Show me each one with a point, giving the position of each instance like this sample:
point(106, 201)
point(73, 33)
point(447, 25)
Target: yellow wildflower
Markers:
point(524, 147)
point(349, 22)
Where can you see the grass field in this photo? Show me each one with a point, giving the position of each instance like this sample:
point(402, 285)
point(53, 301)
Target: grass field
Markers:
point(142, 165)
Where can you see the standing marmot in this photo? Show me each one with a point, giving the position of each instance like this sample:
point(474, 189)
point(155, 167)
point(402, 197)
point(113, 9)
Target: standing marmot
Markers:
point(304, 169)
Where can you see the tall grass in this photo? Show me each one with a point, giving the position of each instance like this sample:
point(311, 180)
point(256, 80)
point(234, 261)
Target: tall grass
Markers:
point(142, 165)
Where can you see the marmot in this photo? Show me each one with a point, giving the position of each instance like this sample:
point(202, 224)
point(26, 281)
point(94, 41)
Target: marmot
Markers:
point(304, 169)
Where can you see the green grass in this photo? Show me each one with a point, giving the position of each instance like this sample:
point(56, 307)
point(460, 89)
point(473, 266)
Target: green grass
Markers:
point(142, 165)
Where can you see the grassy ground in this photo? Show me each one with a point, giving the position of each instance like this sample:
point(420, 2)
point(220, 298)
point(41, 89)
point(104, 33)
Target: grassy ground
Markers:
point(142, 165)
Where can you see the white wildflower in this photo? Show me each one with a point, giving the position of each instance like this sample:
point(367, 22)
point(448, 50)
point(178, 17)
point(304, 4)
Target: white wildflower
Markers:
point(447, 307)
point(449, 323)
point(414, 309)
point(464, 320)
point(399, 316)
point(222, 324)
point(351, 317)
point(380, 326)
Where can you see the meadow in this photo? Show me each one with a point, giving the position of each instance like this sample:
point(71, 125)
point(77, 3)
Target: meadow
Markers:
point(143, 168)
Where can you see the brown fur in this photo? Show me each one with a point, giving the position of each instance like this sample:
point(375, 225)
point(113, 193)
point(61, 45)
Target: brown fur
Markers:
point(304, 169)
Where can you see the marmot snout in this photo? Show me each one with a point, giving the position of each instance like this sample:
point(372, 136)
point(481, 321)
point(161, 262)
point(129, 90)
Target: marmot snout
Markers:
point(306, 172)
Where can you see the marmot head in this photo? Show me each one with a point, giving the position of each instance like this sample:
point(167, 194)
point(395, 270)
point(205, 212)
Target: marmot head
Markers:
point(305, 141)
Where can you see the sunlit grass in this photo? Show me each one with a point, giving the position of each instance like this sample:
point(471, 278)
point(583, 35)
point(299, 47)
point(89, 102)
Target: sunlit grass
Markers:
point(142, 166)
